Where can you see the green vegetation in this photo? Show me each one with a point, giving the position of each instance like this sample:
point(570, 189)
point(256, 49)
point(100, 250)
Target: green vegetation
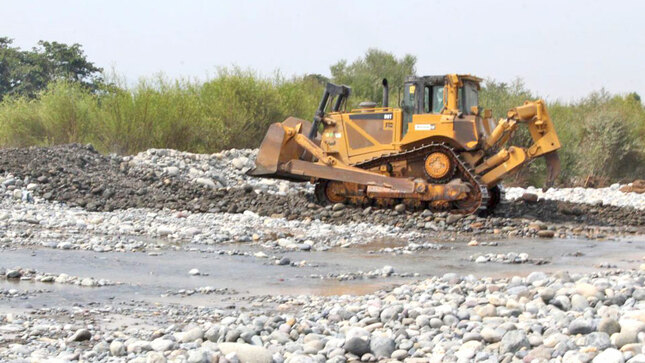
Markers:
point(365, 75)
point(603, 135)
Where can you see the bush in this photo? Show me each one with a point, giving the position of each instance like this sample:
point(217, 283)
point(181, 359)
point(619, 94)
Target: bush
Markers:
point(232, 110)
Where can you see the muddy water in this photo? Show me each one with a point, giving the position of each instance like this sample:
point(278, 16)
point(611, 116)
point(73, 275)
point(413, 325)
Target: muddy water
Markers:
point(150, 278)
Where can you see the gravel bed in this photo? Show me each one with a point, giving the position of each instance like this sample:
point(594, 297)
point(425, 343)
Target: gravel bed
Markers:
point(597, 317)
point(594, 196)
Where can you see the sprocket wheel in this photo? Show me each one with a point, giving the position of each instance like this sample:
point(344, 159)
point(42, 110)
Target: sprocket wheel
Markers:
point(439, 166)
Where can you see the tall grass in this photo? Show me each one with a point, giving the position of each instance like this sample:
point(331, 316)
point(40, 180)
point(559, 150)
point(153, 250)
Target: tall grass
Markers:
point(603, 135)
point(233, 109)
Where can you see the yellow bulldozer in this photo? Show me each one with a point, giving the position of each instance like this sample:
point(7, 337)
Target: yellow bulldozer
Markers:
point(437, 150)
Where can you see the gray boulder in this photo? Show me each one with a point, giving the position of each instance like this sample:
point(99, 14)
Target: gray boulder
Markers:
point(513, 341)
point(382, 346)
point(247, 353)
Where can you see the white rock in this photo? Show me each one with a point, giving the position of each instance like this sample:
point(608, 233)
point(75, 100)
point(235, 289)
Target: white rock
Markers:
point(207, 182)
point(194, 272)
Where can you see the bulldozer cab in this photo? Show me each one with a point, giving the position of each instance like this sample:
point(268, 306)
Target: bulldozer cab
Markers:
point(439, 95)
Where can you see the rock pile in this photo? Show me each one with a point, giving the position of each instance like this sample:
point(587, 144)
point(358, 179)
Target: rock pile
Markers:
point(79, 176)
point(594, 196)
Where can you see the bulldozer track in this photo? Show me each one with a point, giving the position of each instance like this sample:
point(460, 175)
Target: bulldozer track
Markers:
point(481, 191)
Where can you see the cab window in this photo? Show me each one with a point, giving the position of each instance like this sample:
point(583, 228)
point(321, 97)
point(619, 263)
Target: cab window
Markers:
point(409, 97)
point(468, 97)
point(427, 101)
point(437, 99)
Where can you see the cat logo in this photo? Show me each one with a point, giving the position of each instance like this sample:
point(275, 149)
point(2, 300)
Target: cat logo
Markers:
point(387, 116)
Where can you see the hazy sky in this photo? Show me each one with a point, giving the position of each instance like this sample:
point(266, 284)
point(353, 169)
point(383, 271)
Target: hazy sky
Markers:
point(562, 49)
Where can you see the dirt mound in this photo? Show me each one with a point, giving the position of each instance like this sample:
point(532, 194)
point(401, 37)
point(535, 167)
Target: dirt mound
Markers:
point(79, 176)
point(567, 212)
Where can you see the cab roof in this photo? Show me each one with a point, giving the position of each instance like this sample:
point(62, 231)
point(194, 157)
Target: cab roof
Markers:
point(441, 79)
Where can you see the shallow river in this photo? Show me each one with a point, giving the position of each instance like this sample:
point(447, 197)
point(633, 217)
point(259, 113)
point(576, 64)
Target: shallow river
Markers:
point(149, 278)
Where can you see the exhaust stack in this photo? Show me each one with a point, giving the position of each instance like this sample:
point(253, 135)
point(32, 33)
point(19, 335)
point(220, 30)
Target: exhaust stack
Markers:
point(386, 93)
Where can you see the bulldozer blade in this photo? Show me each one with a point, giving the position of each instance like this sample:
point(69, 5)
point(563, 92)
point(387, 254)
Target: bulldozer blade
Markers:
point(275, 150)
point(552, 167)
point(266, 163)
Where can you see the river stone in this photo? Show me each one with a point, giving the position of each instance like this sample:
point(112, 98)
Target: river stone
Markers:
point(468, 350)
point(547, 233)
point(191, 335)
point(154, 357)
point(400, 354)
point(247, 353)
point(436, 323)
point(357, 345)
point(390, 313)
point(623, 338)
point(117, 349)
point(81, 335)
point(172, 171)
point(280, 337)
point(382, 346)
point(199, 356)
point(310, 347)
point(453, 218)
point(239, 163)
point(212, 334)
point(513, 341)
point(207, 182)
point(580, 326)
point(338, 207)
point(546, 294)
point(471, 336)
point(610, 355)
point(162, 345)
point(302, 358)
point(576, 356)
point(599, 340)
point(561, 302)
point(14, 274)
point(101, 347)
point(554, 339)
point(139, 346)
point(491, 335)
point(639, 294)
point(536, 276)
point(609, 326)
point(530, 197)
point(485, 311)
point(579, 302)
point(539, 354)
point(586, 290)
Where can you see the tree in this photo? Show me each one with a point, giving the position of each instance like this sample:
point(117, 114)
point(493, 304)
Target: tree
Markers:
point(25, 73)
point(365, 74)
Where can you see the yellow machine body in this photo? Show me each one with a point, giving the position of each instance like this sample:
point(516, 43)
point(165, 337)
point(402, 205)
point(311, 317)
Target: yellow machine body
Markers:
point(439, 147)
